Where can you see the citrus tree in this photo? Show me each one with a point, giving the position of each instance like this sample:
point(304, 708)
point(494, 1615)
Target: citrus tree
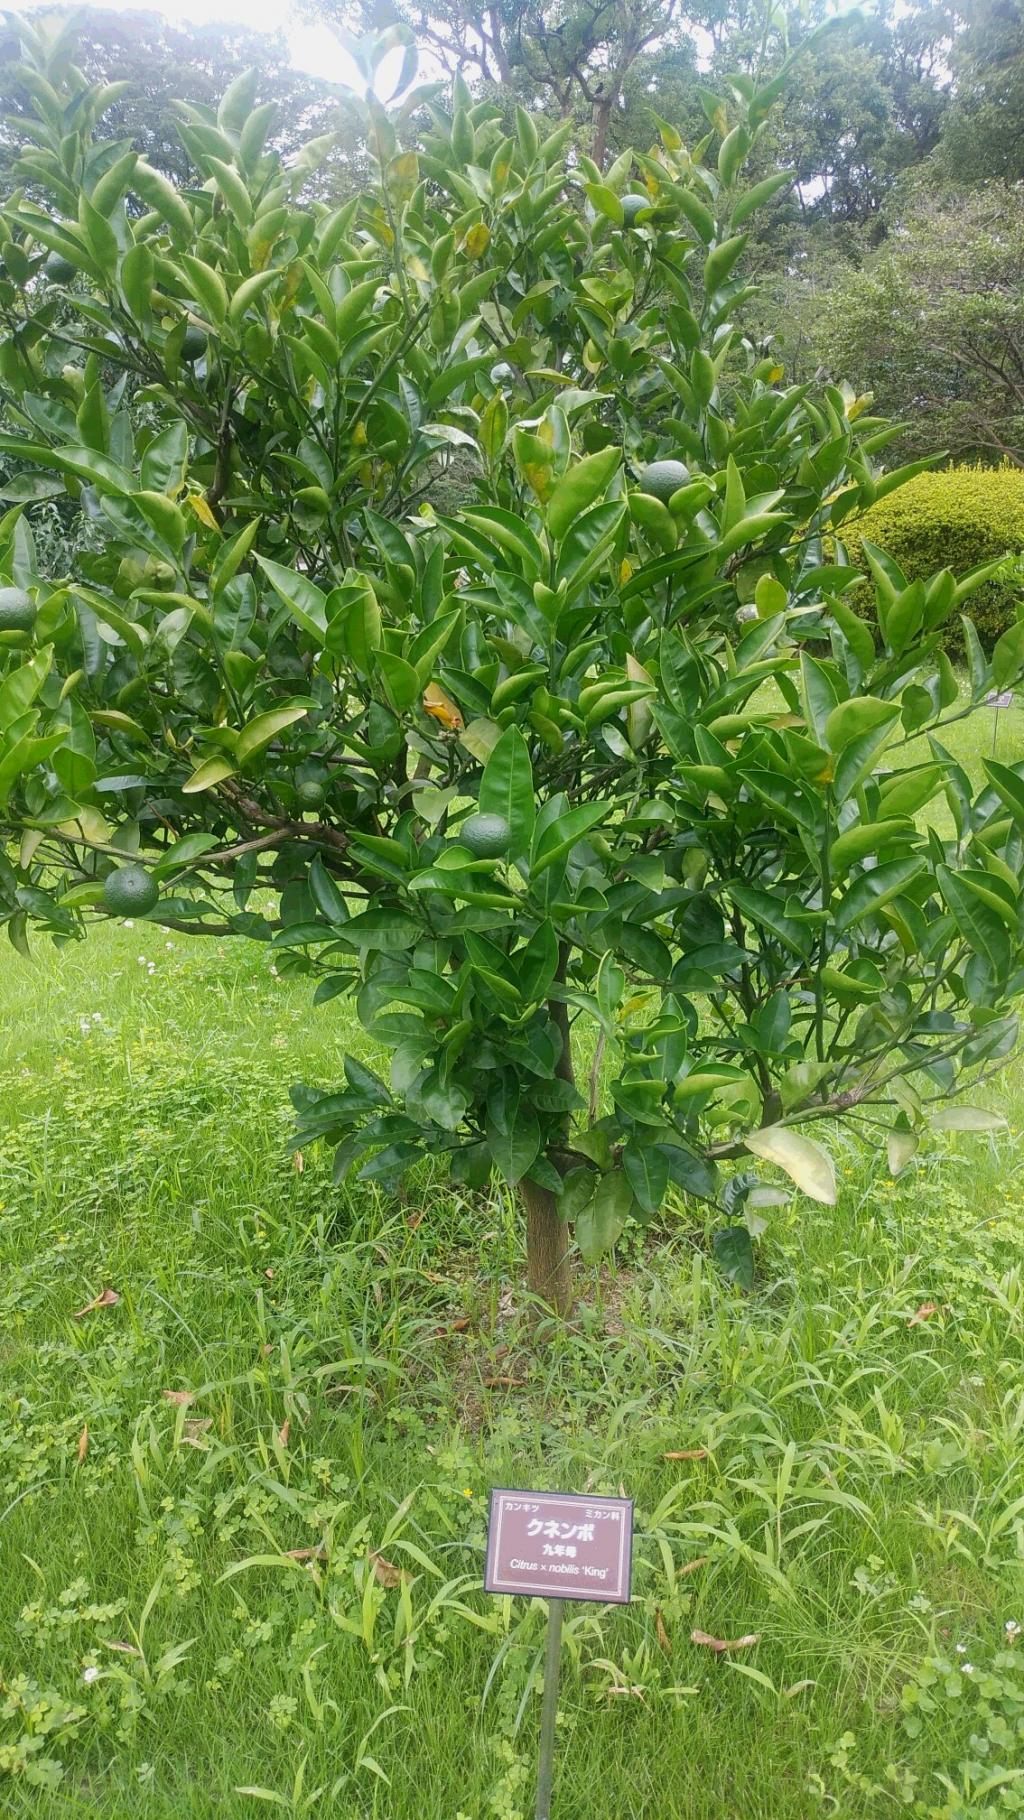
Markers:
point(462, 612)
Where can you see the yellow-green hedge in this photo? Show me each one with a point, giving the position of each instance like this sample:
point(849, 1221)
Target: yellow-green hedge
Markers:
point(953, 519)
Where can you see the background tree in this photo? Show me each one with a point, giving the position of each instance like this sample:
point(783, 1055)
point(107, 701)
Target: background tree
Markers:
point(576, 60)
point(984, 135)
point(518, 769)
point(160, 63)
point(936, 319)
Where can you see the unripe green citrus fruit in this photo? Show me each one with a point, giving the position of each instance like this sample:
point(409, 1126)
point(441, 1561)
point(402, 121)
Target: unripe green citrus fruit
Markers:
point(17, 611)
point(632, 204)
point(310, 792)
point(486, 836)
point(130, 891)
point(194, 344)
point(663, 478)
point(58, 269)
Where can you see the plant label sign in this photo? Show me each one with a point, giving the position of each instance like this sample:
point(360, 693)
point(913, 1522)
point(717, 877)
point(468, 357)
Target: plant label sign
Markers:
point(554, 1545)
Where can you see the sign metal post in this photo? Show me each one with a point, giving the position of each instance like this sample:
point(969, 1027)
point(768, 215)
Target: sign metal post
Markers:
point(549, 1710)
point(558, 1546)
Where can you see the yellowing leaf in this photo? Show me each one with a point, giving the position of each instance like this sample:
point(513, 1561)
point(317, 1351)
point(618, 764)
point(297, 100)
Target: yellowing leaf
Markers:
point(803, 1160)
point(966, 1118)
point(900, 1147)
point(477, 240)
point(440, 706)
point(202, 511)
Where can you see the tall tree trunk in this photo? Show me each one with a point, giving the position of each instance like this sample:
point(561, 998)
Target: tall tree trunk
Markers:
point(602, 121)
point(549, 1268)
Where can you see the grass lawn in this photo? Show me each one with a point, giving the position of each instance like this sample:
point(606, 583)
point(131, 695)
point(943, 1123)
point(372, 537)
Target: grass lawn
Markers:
point(242, 1506)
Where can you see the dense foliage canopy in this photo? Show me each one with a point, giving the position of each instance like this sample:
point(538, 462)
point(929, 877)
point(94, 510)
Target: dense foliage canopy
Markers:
point(465, 616)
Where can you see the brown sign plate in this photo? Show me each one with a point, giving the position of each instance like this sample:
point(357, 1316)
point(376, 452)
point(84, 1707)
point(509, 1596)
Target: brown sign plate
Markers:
point(554, 1545)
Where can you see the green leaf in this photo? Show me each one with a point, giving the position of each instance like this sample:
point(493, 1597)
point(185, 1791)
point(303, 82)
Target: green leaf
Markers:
point(720, 261)
point(803, 1159)
point(646, 1168)
point(304, 600)
point(208, 288)
point(873, 889)
point(579, 488)
point(734, 1255)
point(401, 683)
point(514, 1150)
point(980, 927)
point(506, 789)
point(761, 193)
point(601, 1221)
point(577, 1190)
point(605, 202)
point(387, 931)
point(851, 719)
point(325, 893)
point(259, 731)
point(1008, 656)
point(562, 834)
point(212, 771)
point(162, 196)
point(233, 190)
point(1009, 786)
point(138, 273)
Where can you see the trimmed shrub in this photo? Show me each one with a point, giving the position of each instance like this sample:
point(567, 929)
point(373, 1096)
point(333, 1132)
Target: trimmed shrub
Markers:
point(953, 519)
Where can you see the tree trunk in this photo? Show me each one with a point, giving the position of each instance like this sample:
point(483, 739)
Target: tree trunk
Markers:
point(602, 121)
point(549, 1268)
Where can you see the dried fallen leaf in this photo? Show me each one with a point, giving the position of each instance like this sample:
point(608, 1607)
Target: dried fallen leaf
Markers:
point(461, 1324)
point(195, 1428)
point(269, 1274)
point(504, 1383)
point(105, 1299)
point(926, 1309)
point(83, 1443)
point(719, 1644)
point(413, 1220)
point(298, 1162)
point(180, 1398)
point(385, 1571)
point(307, 1554)
point(690, 1567)
point(687, 1453)
point(662, 1634)
point(123, 1649)
point(283, 1432)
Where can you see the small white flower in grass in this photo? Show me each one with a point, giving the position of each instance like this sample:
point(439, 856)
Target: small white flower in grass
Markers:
point(1012, 1629)
point(168, 944)
point(97, 1017)
point(273, 973)
point(127, 924)
point(90, 1674)
point(141, 959)
point(961, 1649)
point(967, 1668)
